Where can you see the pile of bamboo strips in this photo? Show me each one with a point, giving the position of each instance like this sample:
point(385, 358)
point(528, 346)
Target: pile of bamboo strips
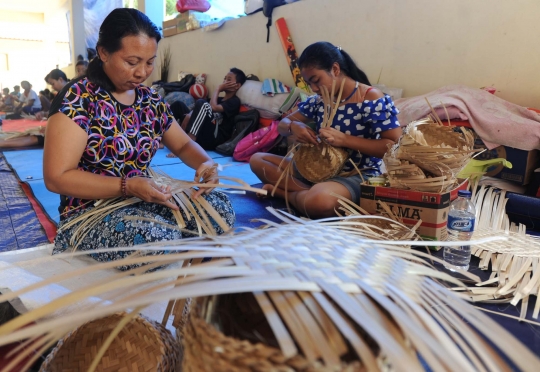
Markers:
point(514, 263)
point(197, 209)
point(428, 156)
point(332, 299)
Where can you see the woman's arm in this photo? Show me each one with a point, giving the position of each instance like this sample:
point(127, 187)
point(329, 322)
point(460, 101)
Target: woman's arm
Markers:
point(371, 147)
point(64, 146)
point(295, 124)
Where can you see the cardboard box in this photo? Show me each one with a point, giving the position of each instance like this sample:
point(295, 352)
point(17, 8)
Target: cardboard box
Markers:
point(183, 22)
point(411, 206)
point(523, 163)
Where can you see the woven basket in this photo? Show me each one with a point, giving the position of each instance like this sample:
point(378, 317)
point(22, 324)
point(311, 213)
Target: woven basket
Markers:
point(142, 345)
point(318, 163)
point(209, 349)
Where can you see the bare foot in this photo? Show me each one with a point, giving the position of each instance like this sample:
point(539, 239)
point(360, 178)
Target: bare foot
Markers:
point(269, 188)
point(171, 155)
point(161, 145)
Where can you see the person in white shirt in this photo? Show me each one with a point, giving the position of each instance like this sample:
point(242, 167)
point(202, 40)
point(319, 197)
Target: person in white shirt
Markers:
point(29, 101)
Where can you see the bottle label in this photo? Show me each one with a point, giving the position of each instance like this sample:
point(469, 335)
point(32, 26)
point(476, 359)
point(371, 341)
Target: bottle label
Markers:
point(460, 224)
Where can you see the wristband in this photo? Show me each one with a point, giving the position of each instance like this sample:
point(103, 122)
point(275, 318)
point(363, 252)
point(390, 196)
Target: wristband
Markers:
point(123, 187)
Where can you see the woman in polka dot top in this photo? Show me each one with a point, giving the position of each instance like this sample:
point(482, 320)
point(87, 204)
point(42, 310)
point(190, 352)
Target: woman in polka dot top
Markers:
point(365, 124)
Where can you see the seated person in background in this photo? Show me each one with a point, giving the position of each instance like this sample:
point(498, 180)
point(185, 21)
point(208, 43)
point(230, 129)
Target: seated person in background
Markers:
point(366, 124)
point(57, 79)
point(29, 102)
point(16, 91)
point(7, 101)
point(45, 102)
point(211, 124)
point(80, 68)
point(50, 95)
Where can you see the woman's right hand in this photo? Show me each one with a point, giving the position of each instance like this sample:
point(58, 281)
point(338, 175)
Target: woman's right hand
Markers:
point(303, 133)
point(148, 190)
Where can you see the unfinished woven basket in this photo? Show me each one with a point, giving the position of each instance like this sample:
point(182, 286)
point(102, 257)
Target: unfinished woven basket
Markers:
point(209, 349)
point(321, 162)
point(142, 345)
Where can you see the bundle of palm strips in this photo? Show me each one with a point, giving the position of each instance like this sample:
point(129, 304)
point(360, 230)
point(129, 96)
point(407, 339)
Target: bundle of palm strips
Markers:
point(301, 295)
point(428, 156)
point(317, 163)
point(197, 209)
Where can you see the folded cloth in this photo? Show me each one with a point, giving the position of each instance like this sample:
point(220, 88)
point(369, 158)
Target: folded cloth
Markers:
point(272, 87)
point(495, 121)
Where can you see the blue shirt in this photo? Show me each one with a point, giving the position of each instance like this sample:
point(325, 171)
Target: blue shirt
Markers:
point(367, 119)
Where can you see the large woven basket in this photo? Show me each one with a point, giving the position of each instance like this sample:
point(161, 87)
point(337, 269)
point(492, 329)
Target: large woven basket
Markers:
point(209, 347)
point(318, 163)
point(142, 346)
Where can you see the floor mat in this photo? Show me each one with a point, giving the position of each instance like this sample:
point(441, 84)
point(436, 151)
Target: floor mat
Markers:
point(21, 125)
point(19, 225)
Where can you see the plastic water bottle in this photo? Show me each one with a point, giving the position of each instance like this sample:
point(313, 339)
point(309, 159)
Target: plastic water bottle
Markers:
point(461, 221)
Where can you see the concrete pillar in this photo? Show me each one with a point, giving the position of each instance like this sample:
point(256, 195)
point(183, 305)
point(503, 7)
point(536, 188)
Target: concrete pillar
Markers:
point(78, 37)
point(154, 9)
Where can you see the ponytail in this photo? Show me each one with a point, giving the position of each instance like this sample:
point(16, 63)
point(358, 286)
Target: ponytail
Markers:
point(352, 69)
point(96, 75)
point(322, 55)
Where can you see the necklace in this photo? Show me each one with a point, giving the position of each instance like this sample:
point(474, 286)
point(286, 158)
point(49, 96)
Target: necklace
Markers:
point(350, 95)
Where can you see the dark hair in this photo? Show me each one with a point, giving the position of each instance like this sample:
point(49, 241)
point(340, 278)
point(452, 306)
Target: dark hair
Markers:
point(80, 57)
point(121, 22)
point(239, 74)
point(5, 90)
point(323, 55)
point(16, 87)
point(55, 75)
point(80, 63)
point(91, 52)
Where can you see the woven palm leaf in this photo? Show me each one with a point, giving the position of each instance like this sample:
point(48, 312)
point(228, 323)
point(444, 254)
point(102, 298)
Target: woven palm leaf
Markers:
point(318, 163)
point(36, 131)
point(332, 299)
point(440, 152)
point(141, 345)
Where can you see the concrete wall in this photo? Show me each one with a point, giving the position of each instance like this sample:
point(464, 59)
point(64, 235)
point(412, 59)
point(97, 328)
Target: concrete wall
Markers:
point(419, 45)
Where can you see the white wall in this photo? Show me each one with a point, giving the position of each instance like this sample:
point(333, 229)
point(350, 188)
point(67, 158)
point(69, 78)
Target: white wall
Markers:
point(420, 45)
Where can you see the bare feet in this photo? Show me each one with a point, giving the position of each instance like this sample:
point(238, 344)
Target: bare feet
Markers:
point(269, 188)
point(171, 155)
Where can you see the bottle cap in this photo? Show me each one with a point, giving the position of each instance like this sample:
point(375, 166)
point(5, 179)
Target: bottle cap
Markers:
point(464, 193)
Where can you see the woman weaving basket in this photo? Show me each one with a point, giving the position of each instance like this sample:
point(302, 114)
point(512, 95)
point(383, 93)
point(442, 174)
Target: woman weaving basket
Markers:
point(102, 133)
point(358, 120)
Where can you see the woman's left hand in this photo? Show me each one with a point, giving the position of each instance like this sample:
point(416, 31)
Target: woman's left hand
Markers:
point(333, 137)
point(205, 173)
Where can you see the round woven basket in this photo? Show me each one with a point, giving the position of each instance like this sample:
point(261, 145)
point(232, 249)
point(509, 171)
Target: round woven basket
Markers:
point(207, 349)
point(142, 345)
point(318, 163)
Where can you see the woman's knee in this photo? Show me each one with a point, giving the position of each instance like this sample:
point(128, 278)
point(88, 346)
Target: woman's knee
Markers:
point(320, 204)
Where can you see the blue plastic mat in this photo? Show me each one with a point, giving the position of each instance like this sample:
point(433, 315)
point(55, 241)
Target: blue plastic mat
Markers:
point(19, 225)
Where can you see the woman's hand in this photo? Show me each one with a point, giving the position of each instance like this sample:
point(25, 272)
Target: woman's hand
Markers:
point(333, 137)
point(303, 133)
point(146, 189)
point(205, 173)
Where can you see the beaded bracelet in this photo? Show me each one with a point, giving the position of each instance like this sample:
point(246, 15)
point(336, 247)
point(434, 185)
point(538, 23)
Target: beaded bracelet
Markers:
point(123, 187)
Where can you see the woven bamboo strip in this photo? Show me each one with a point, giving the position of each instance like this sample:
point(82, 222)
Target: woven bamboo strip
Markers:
point(321, 257)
